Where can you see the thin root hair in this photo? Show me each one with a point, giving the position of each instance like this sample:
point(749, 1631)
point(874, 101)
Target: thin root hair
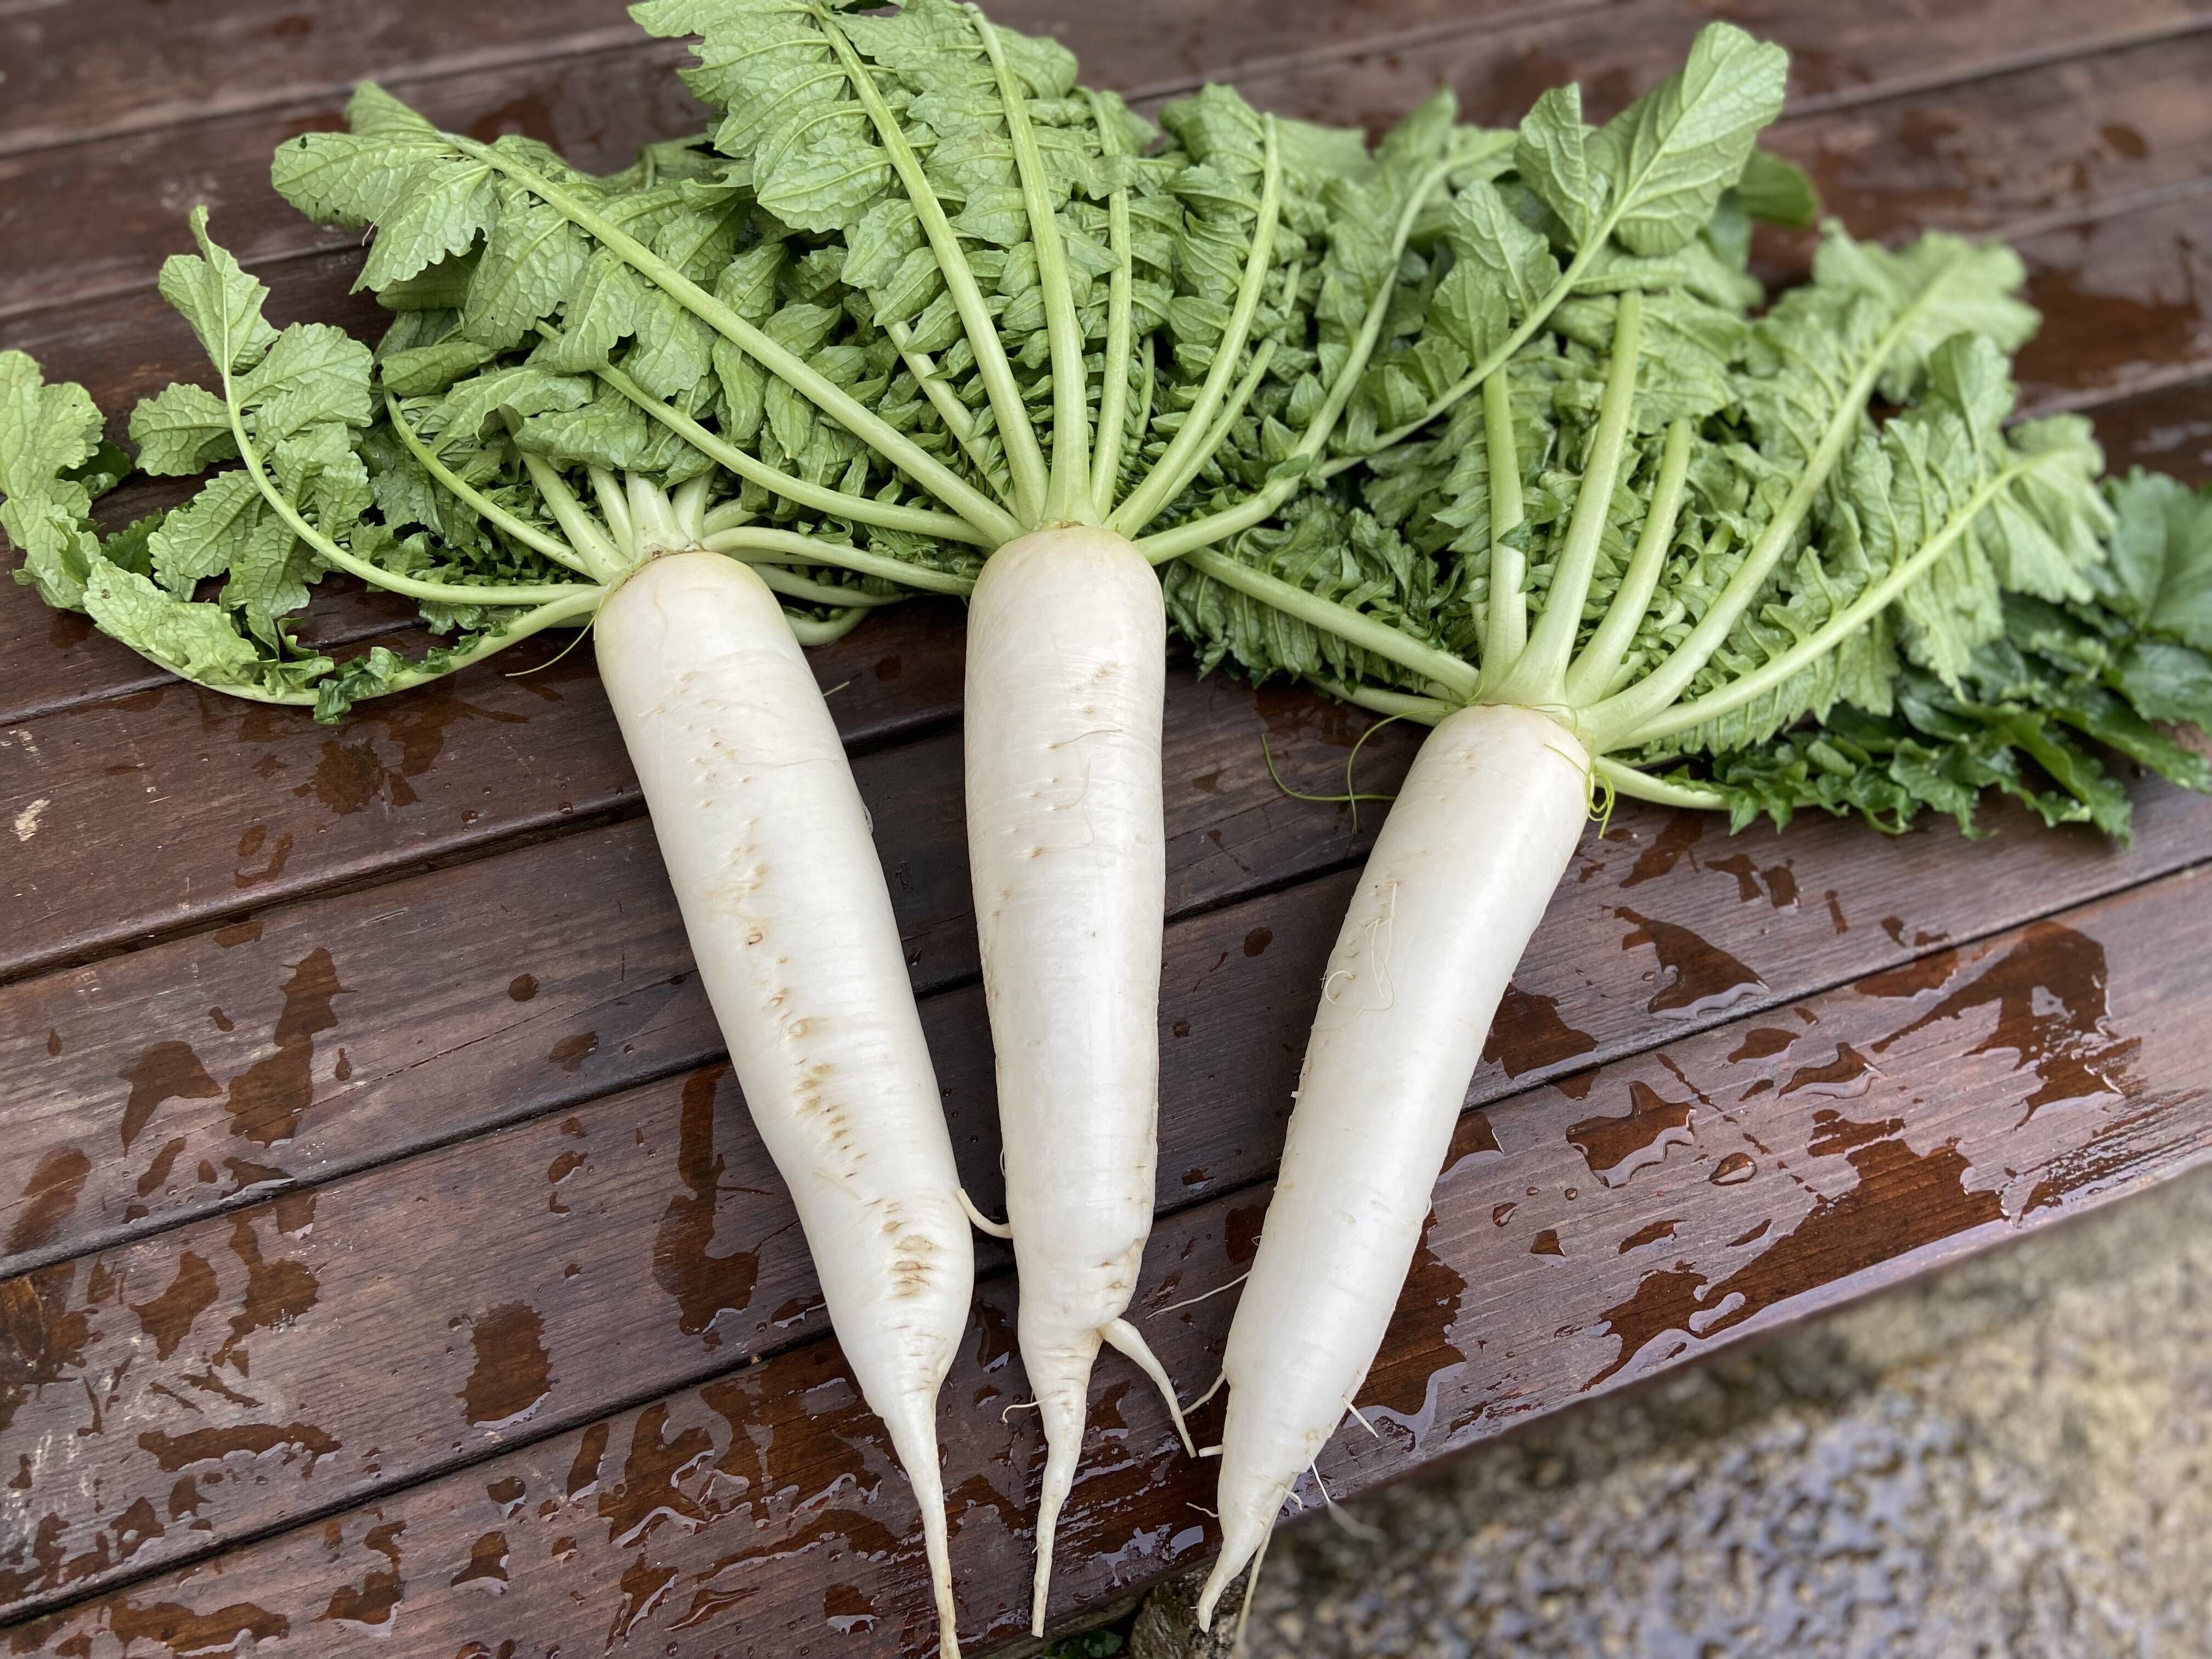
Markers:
point(582, 634)
point(1349, 796)
point(1604, 796)
point(1121, 1335)
point(1191, 1301)
point(1359, 1530)
point(981, 1223)
point(1352, 760)
point(1251, 1588)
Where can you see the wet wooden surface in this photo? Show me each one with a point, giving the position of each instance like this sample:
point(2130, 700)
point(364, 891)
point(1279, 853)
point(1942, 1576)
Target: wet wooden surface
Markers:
point(390, 1257)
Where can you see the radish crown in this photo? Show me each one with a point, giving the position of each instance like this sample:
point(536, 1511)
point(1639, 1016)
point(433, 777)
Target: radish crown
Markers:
point(1757, 563)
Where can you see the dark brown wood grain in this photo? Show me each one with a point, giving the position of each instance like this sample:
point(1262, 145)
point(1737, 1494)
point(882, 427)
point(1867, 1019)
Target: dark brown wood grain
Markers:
point(248, 1078)
point(2006, 154)
point(598, 106)
point(156, 1065)
point(2119, 303)
point(596, 89)
point(1839, 55)
point(1682, 1198)
point(226, 806)
point(2169, 428)
point(96, 68)
point(78, 73)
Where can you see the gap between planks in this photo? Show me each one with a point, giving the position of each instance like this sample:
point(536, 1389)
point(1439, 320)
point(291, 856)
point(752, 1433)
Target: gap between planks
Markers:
point(627, 39)
point(158, 116)
point(526, 832)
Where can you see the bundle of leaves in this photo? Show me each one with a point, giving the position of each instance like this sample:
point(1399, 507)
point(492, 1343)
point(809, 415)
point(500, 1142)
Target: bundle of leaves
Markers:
point(914, 293)
point(1757, 558)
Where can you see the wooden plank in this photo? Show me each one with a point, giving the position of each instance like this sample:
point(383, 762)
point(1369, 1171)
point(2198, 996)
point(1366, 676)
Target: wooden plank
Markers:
point(130, 66)
point(2119, 304)
point(597, 109)
point(596, 91)
point(412, 1055)
point(2169, 428)
point(1314, 917)
point(1974, 159)
point(1839, 55)
point(337, 1050)
point(598, 966)
point(599, 106)
point(225, 805)
point(51, 661)
point(1682, 1199)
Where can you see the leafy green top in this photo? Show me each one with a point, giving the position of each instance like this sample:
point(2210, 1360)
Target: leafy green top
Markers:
point(1757, 562)
point(915, 294)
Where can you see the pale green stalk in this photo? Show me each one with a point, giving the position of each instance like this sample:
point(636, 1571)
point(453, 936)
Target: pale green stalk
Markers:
point(1505, 625)
point(914, 520)
point(1113, 368)
point(1642, 785)
point(528, 534)
point(1024, 460)
point(793, 547)
point(1186, 454)
point(614, 507)
point(655, 526)
point(1631, 710)
point(1068, 497)
point(894, 445)
point(1259, 507)
point(826, 631)
point(792, 585)
point(950, 410)
point(688, 500)
point(1502, 354)
point(591, 542)
point(1601, 659)
point(1683, 717)
point(1366, 632)
point(1217, 434)
point(339, 558)
point(1398, 705)
point(1538, 676)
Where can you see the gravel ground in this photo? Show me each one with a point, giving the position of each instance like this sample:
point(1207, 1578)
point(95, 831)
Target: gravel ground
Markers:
point(2010, 1459)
